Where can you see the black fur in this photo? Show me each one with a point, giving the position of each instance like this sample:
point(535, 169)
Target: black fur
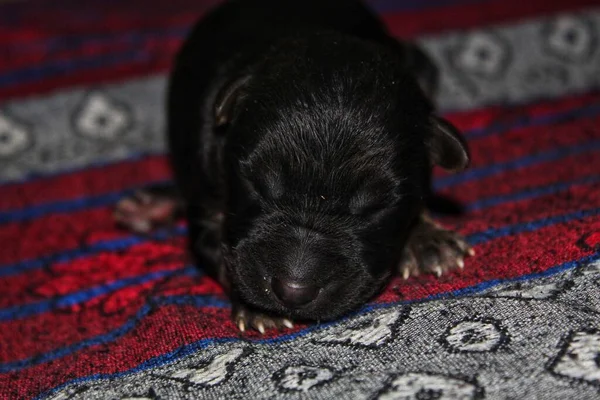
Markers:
point(302, 140)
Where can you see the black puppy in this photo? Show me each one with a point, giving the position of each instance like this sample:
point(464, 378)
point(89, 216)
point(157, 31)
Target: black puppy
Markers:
point(302, 139)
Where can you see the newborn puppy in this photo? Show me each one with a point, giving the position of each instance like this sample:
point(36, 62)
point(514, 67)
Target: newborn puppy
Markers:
point(302, 138)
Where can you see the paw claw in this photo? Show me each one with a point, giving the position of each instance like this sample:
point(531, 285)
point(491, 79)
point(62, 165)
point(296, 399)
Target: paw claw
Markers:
point(143, 197)
point(438, 271)
point(261, 328)
point(141, 226)
point(287, 323)
point(126, 205)
point(241, 326)
point(405, 273)
point(460, 263)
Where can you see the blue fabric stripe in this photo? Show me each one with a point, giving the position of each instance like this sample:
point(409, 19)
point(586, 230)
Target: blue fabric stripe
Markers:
point(66, 67)
point(517, 163)
point(65, 351)
point(193, 347)
point(33, 176)
point(587, 111)
point(81, 203)
point(72, 42)
point(383, 6)
point(530, 193)
point(496, 233)
point(106, 245)
point(199, 301)
point(73, 205)
point(82, 296)
point(480, 287)
point(136, 38)
point(136, 53)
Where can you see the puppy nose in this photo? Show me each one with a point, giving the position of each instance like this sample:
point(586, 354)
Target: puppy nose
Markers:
point(294, 295)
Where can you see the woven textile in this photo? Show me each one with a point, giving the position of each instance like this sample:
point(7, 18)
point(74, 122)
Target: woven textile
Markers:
point(88, 311)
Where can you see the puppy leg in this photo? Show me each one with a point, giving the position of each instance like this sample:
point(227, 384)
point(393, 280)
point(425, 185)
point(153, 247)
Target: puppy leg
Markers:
point(149, 208)
point(433, 249)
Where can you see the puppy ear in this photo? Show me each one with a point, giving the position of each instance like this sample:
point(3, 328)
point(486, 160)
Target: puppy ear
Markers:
point(227, 98)
point(447, 147)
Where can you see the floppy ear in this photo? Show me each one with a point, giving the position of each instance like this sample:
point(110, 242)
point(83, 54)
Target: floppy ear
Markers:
point(227, 98)
point(447, 147)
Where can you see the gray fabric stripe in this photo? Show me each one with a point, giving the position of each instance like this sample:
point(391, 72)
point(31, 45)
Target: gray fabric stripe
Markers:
point(527, 340)
point(510, 64)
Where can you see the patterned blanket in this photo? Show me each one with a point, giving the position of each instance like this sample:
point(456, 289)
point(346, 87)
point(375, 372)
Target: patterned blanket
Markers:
point(88, 311)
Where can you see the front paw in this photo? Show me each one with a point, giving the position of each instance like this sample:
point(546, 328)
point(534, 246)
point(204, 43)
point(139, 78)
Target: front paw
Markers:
point(433, 249)
point(245, 319)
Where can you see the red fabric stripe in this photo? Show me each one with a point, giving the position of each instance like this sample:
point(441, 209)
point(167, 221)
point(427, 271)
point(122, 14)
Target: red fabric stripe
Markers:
point(89, 182)
point(520, 142)
point(98, 269)
point(533, 252)
point(575, 198)
point(70, 326)
point(96, 76)
point(152, 50)
point(467, 16)
point(502, 116)
point(45, 332)
point(57, 232)
point(148, 340)
point(403, 24)
point(26, 22)
point(186, 286)
point(518, 180)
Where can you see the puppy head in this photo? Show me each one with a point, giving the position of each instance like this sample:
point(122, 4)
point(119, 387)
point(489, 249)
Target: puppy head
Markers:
point(328, 161)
